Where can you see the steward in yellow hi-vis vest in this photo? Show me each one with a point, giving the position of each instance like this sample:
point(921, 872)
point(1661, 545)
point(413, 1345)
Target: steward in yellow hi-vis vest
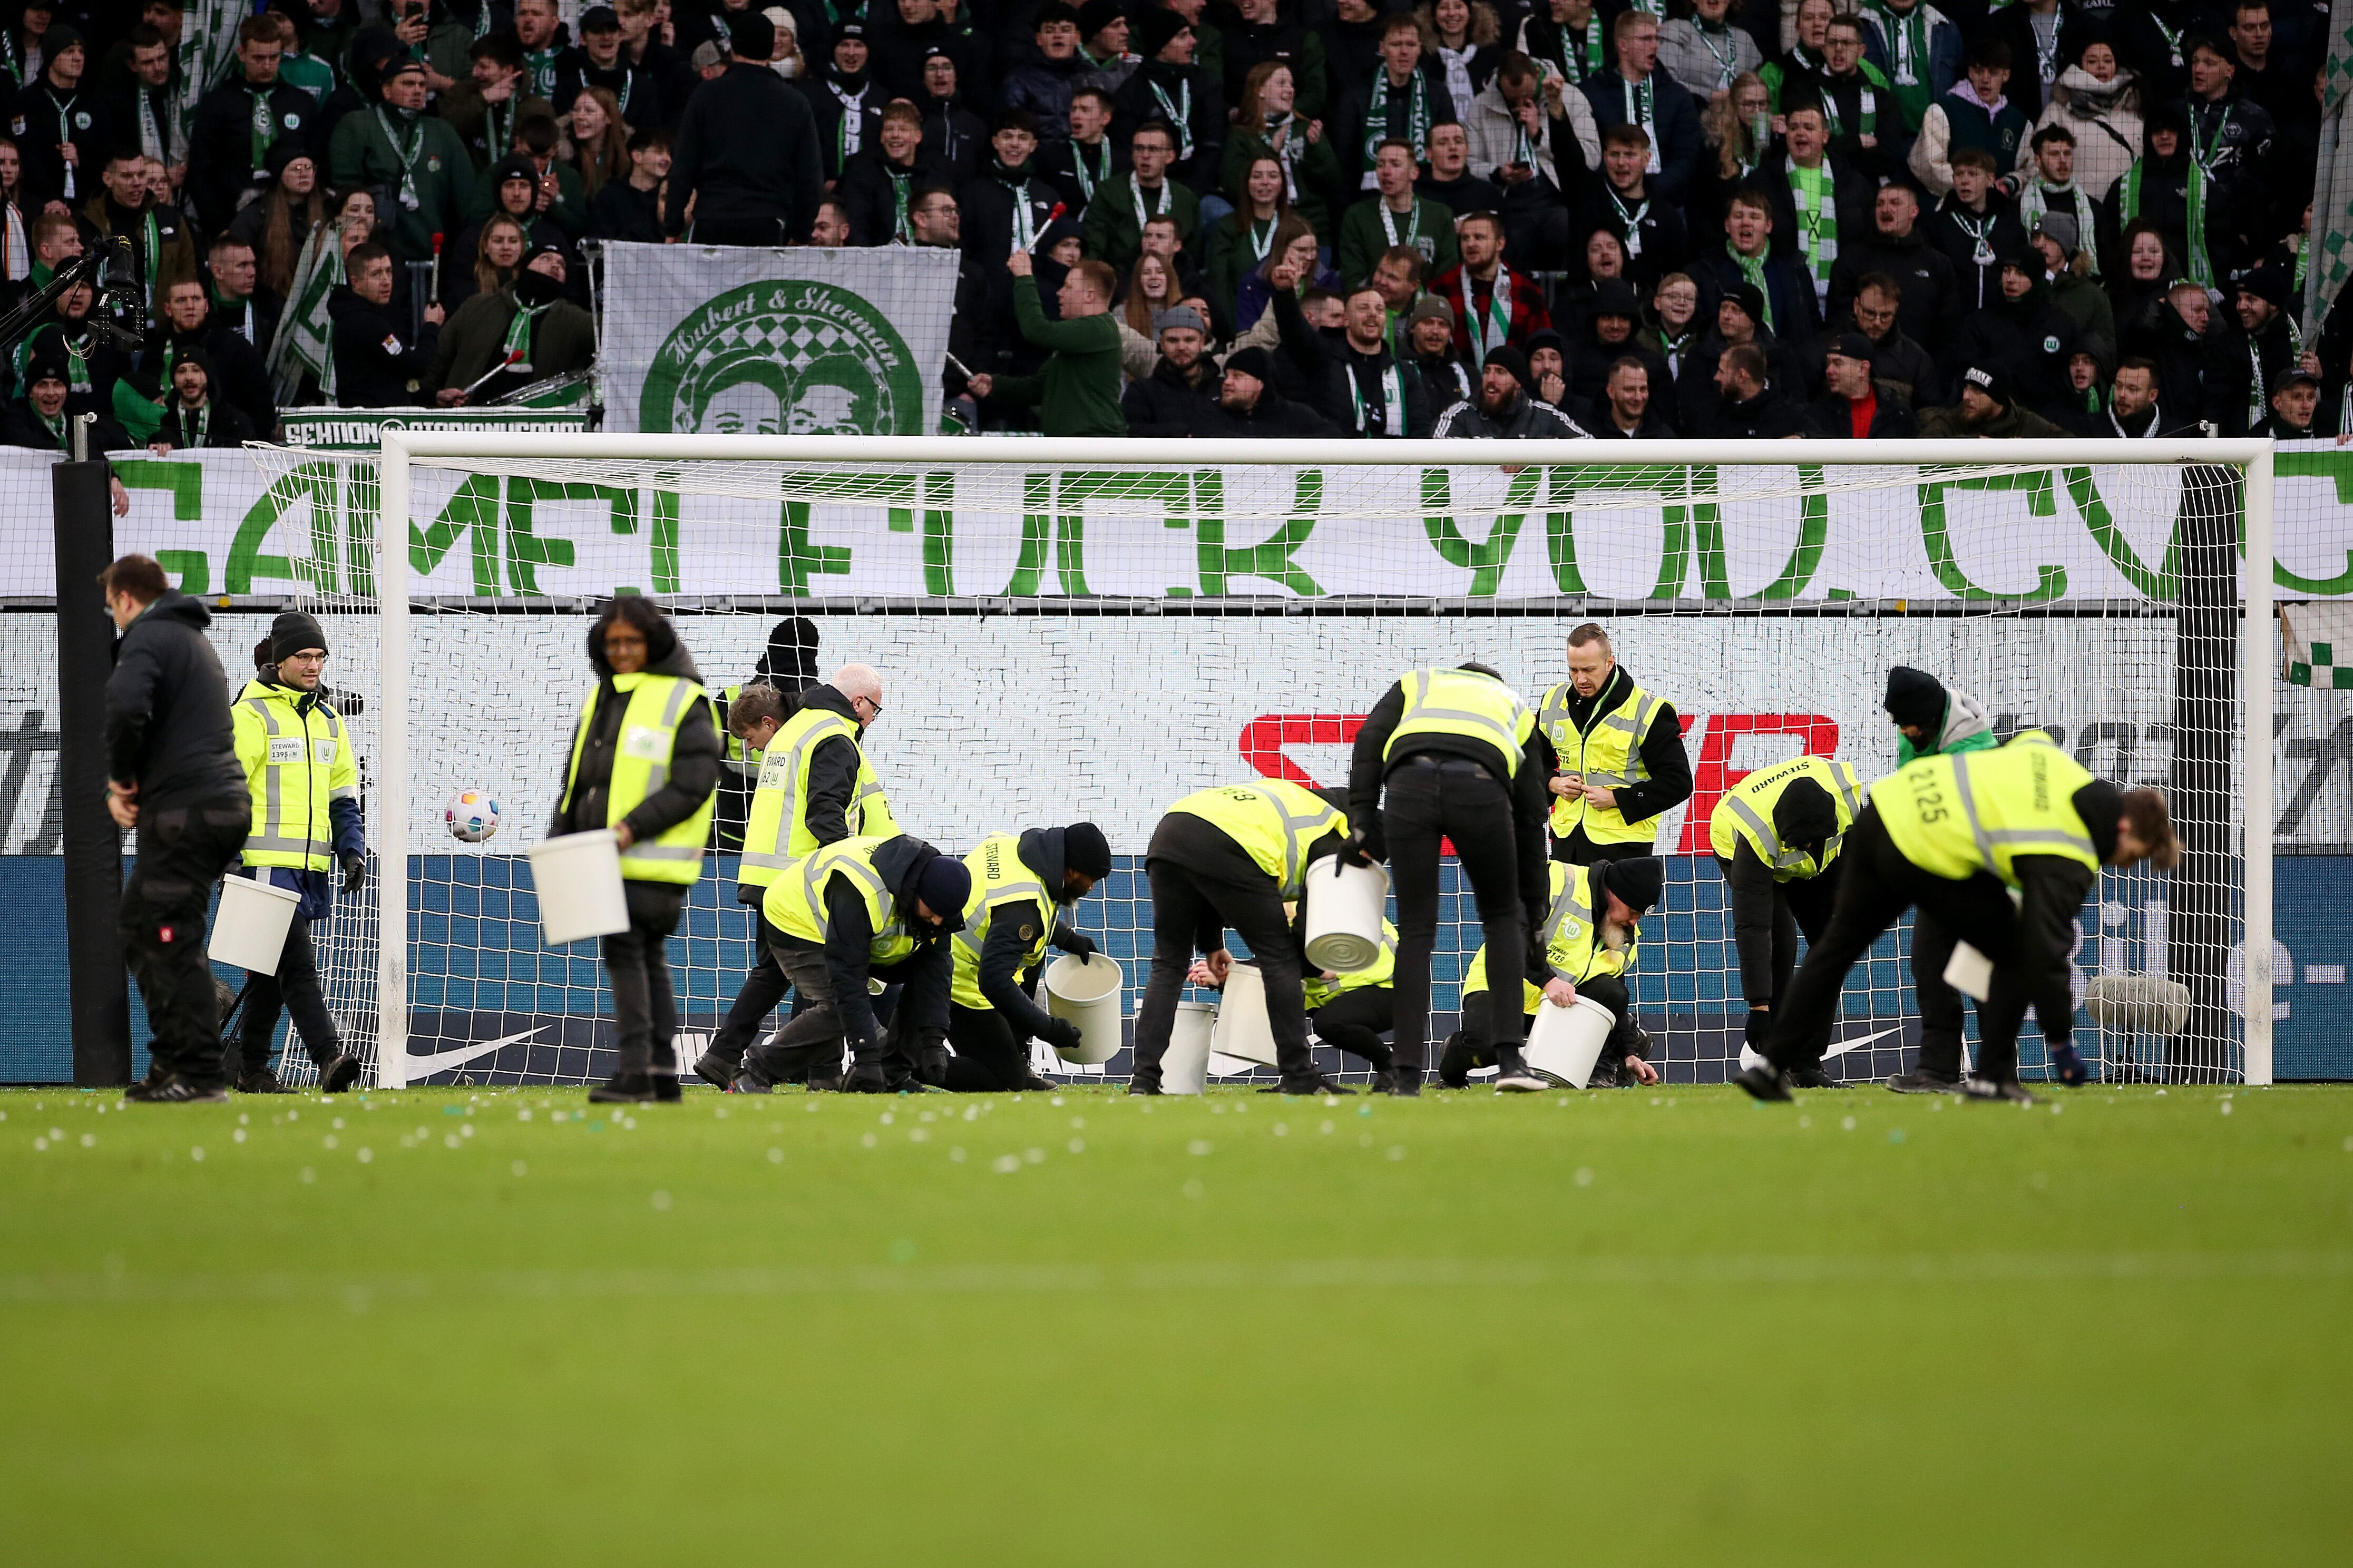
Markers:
point(305, 785)
point(814, 788)
point(1777, 835)
point(849, 921)
point(1621, 756)
point(1452, 753)
point(1231, 858)
point(1352, 1010)
point(1020, 886)
point(1956, 835)
point(643, 761)
point(1587, 940)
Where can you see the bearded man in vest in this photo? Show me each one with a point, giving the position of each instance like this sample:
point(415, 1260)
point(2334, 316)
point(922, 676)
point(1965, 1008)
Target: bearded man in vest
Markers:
point(1620, 766)
point(1020, 886)
point(1231, 857)
point(858, 915)
point(643, 762)
point(305, 783)
point(1957, 835)
point(814, 789)
point(1777, 836)
point(1454, 753)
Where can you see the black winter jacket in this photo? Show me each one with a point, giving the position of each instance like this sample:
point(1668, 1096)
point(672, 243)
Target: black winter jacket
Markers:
point(373, 367)
point(1369, 766)
point(747, 148)
point(581, 803)
point(1166, 403)
point(1524, 419)
point(922, 1011)
point(167, 721)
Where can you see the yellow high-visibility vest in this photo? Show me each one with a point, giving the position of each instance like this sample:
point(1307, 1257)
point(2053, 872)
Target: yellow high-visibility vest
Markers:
point(1609, 754)
point(1002, 886)
point(1381, 970)
point(1958, 814)
point(1463, 702)
point(297, 757)
point(650, 726)
point(795, 904)
point(1745, 813)
point(1572, 937)
point(776, 830)
point(1273, 820)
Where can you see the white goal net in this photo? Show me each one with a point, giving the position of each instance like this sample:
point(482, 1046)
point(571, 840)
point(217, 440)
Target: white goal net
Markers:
point(1076, 631)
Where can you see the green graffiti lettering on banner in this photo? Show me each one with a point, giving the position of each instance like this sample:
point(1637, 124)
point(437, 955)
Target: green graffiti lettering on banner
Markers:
point(661, 542)
point(2102, 522)
point(938, 507)
point(339, 531)
point(191, 570)
point(1271, 560)
point(1936, 534)
point(797, 560)
point(1484, 559)
point(1813, 535)
point(2335, 465)
point(473, 509)
point(1051, 516)
point(528, 550)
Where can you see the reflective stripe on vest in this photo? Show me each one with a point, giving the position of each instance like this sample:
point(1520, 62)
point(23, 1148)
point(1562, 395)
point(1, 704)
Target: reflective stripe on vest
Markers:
point(1764, 788)
point(795, 905)
point(778, 819)
point(1991, 814)
point(297, 835)
point(1381, 970)
point(1007, 881)
point(1463, 702)
point(1609, 755)
point(1295, 830)
point(647, 741)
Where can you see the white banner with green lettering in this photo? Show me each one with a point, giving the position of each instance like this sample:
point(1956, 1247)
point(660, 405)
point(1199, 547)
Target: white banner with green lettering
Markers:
point(730, 339)
point(221, 527)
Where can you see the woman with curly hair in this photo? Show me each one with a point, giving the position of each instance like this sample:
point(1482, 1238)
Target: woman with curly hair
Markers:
point(1464, 37)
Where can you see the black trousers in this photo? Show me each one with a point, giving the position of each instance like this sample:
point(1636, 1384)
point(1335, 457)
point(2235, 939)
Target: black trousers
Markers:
point(182, 852)
point(1355, 1021)
point(1425, 803)
point(295, 990)
point(988, 1055)
point(1802, 905)
point(808, 1048)
point(636, 964)
point(763, 988)
point(1185, 903)
point(1878, 885)
point(1579, 850)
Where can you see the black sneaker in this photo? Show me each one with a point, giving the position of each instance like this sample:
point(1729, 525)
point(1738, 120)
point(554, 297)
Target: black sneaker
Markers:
point(624, 1088)
point(1514, 1076)
point(1385, 1080)
point(2008, 1089)
point(1920, 1080)
point(1764, 1081)
point(817, 1083)
point(1314, 1083)
point(261, 1080)
point(716, 1070)
point(1137, 1086)
point(341, 1074)
point(1814, 1077)
point(748, 1082)
point(666, 1089)
point(173, 1089)
point(1456, 1060)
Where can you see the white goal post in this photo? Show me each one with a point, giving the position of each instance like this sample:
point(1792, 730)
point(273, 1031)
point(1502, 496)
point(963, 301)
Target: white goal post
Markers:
point(1852, 477)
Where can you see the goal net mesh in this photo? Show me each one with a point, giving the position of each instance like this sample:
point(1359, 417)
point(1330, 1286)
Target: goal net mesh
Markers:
point(1060, 643)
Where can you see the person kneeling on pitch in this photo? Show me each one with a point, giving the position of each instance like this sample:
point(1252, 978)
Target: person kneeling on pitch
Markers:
point(1777, 836)
point(1571, 955)
point(1351, 1011)
point(1957, 836)
point(1232, 856)
point(857, 911)
point(644, 762)
point(1019, 886)
point(305, 785)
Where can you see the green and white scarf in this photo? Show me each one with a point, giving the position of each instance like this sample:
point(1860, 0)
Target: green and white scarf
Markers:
point(1727, 60)
point(1163, 201)
point(1866, 105)
point(2041, 196)
point(540, 65)
point(1178, 112)
point(1632, 238)
point(265, 128)
point(1412, 235)
point(1906, 36)
point(1752, 272)
point(1090, 178)
point(1392, 410)
point(202, 426)
point(415, 124)
point(515, 352)
point(902, 187)
point(1490, 329)
point(1283, 147)
point(1814, 193)
point(1641, 110)
point(1376, 117)
point(304, 331)
point(2202, 270)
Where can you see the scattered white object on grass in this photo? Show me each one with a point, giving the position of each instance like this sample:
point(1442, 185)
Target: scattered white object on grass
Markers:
point(776, 1156)
point(366, 1155)
point(868, 1140)
point(519, 1168)
point(661, 1202)
point(309, 1174)
point(237, 1134)
point(1006, 1165)
point(198, 1154)
point(1396, 1150)
point(1077, 1145)
point(1585, 1176)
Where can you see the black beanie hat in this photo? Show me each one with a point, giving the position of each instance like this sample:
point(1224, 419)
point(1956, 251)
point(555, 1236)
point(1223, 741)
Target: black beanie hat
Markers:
point(1086, 851)
point(1914, 699)
point(1253, 362)
point(291, 633)
point(943, 884)
point(1511, 361)
point(1639, 881)
point(1805, 816)
point(752, 36)
point(1158, 27)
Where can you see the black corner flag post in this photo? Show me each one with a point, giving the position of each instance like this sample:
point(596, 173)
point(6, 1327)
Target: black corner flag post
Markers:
point(94, 844)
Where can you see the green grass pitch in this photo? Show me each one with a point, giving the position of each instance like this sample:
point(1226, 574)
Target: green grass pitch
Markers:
point(501, 1327)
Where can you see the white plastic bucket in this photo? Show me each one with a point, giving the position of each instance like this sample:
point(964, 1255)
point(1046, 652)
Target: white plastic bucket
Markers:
point(1564, 1042)
point(249, 932)
point(1242, 1030)
point(578, 879)
point(1970, 972)
point(1087, 994)
point(1345, 905)
point(1185, 1070)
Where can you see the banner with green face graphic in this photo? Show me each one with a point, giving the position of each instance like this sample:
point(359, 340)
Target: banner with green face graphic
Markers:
point(738, 341)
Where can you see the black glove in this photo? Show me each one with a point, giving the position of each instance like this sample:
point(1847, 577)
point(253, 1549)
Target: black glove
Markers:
point(1080, 945)
point(1363, 847)
point(1060, 1034)
point(1759, 1027)
point(354, 873)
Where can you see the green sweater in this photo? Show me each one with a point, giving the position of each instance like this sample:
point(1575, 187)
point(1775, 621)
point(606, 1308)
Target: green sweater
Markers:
point(1077, 391)
point(1114, 236)
point(1362, 238)
point(359, 153)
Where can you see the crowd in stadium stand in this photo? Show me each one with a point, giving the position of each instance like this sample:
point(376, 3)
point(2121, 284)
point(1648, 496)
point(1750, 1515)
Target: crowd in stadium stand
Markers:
point(1219, 218)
